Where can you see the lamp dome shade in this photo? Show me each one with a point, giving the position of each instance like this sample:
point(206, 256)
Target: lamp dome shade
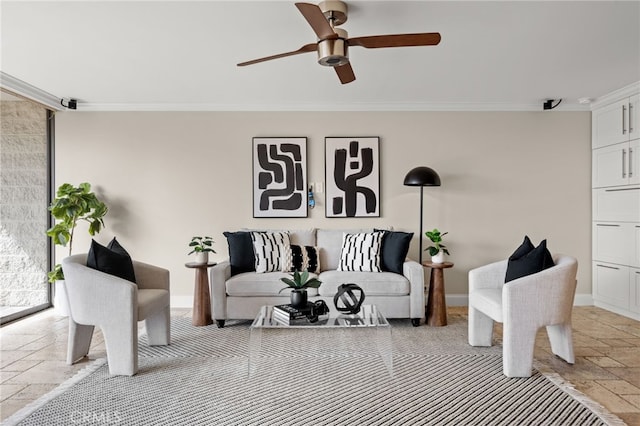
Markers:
point(422, 176)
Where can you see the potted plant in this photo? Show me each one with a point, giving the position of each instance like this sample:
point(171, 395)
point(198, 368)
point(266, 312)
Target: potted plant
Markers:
point(298, 283)
point(201, 246)
point(437, 250)
point(71, 205)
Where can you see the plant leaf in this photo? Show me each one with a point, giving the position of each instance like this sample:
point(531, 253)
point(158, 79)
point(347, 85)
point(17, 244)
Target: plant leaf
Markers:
point(313, 283)
point(288, 282)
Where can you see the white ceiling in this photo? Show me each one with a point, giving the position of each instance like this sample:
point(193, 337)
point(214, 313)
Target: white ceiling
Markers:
point(182, 55)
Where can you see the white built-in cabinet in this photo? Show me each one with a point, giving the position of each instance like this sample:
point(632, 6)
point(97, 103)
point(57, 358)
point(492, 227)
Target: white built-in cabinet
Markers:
point(617, 164)
point(616, 201)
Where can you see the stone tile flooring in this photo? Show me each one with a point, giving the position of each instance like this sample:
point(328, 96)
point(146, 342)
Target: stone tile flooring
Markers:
point(607, 369)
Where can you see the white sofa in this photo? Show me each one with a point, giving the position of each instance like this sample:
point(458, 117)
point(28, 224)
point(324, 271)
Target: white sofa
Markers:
point(241, 296)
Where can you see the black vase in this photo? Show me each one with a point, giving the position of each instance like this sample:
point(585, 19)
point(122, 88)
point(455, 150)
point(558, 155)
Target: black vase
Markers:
point(298, 298)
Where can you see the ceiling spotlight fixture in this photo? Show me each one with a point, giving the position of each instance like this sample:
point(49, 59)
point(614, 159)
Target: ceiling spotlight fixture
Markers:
point(71, 103)
point(584, 101)
point(548, 104)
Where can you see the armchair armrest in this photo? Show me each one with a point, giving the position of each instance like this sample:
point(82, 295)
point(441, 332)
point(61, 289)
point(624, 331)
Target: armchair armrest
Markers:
point(150, 276)
point(414, 272)
point(488, 276)
point(218, 276)
point(87, 290)
point(545, 297)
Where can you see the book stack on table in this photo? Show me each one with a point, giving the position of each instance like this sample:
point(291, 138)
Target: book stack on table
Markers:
point(287, 314)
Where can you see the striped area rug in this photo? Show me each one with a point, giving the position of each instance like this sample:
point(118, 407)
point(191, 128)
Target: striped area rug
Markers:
point(312, 377)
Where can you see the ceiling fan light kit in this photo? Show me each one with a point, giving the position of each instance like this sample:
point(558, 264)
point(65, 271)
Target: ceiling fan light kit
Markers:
point(333, 43)
point(333, 52)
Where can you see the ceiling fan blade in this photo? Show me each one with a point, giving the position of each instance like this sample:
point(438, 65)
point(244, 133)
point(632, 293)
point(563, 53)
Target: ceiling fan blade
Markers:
point(316, 19)
point(396, 40)
point(311, 47)
point(345, 73)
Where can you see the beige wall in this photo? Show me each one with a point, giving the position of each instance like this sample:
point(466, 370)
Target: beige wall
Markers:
point(169, 176)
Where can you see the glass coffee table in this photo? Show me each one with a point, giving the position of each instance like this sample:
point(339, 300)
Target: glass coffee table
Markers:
point(368, 321)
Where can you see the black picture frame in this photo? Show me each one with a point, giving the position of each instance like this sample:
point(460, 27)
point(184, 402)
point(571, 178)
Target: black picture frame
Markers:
point(352, 176)
point(280, 177)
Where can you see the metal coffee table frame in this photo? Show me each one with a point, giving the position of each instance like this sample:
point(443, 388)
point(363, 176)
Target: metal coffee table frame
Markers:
point(369, 318)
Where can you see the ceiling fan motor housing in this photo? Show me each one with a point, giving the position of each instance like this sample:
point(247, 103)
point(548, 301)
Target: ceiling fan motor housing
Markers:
point(333, 53)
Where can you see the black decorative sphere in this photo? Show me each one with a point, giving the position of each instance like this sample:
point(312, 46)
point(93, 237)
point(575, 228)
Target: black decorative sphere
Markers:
point(349, 298)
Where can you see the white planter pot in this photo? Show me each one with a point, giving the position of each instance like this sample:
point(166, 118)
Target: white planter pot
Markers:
point(202, 257)
point(438, 258)
point(60, 301)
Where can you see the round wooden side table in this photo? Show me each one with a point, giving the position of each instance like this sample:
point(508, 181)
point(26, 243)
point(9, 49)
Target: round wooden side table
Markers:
point(436, 304)
point(201, 298)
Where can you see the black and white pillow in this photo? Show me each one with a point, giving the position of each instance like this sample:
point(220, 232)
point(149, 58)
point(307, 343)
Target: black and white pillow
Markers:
point(301, 258)
point(361, 252)
point(268, 248)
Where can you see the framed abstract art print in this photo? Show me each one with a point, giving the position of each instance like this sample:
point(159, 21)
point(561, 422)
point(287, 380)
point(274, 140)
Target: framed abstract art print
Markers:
point(352, 177)
point(279, 177)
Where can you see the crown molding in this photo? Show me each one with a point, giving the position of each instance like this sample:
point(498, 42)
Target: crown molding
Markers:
point(26, 90)
point(616, 95)
point(337, 107)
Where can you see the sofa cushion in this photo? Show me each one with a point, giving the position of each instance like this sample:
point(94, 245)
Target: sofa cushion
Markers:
point(395, 246)
point(300, 237)
point(522, 262)
point(330, 245)
point(372, 283)
point(113, 260)
point(269, 247)
point(488, 300)
point(301, 258)
point(241, 255)
point(361, 252)
point(267, 284)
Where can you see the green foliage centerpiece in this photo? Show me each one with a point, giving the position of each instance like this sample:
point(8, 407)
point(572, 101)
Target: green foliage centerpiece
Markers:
point(437, 250)
point(298, 283)
point(202, 246)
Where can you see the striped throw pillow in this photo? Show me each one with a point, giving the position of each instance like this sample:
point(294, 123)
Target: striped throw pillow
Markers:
point(268, 248)
point(361, 252)
point(301, 258)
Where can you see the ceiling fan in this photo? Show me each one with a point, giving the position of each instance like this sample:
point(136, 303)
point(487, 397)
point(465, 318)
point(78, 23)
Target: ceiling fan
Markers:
point(333, 43)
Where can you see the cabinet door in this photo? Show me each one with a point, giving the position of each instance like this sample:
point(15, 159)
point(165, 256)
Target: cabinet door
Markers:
point(610, 165)
point(634, 117)
point(610, 124)
point(613, 242)
point(611, 284)
point(635, 253)
point(620, 204)
point(634, 278)
point(633, 161)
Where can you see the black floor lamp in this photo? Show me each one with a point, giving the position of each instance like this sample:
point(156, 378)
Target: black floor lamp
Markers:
point(421, 176)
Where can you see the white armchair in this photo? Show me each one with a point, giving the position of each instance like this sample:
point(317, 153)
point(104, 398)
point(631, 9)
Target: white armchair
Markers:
point(115, 305)
point(523, 306)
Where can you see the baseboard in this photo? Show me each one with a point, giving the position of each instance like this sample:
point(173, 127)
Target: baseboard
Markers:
point(584, 299)
point(457, 299)
point(617, 310)
point(182, 301)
